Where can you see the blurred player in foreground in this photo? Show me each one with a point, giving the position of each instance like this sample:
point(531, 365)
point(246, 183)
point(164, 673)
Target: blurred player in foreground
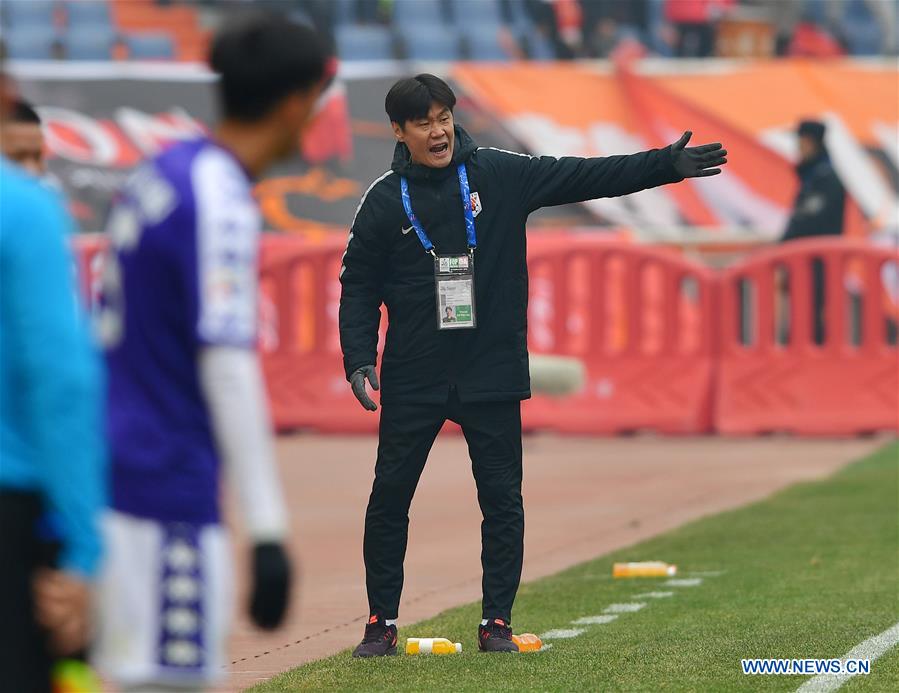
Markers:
point(52, 461)
point(23, 141)
point(186, 389)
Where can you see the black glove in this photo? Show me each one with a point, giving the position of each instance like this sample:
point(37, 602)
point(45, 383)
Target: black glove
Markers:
point(357, 381)
point(271, 585)
point(696, 162)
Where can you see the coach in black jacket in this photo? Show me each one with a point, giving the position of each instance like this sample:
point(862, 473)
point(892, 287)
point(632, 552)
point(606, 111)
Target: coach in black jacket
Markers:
point(475, 376)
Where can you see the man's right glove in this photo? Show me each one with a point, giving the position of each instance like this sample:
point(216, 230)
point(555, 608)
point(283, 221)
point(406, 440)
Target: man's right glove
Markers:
point(357, 382)
point(271, 585)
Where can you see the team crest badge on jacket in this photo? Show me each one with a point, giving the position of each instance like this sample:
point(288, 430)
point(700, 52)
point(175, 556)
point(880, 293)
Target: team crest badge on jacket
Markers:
point(475, 204)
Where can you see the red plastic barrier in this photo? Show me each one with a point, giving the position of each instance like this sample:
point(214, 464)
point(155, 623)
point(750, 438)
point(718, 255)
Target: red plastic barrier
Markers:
point(88, 251)
point(300, 340)
point(639, 318)
point(661, 338)
point(776, 379)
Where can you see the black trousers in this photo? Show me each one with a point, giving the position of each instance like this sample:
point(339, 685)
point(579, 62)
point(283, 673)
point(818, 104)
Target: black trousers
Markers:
point(25, 661)
point(407, 432)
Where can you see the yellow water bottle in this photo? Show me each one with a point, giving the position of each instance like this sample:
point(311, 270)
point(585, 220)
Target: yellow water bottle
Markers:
point(416, 646)
point(643, 569)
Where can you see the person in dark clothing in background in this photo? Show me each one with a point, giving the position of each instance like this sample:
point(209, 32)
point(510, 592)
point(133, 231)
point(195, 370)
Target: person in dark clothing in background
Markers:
point(820, 202)
point(445, 226)
point(817, 211)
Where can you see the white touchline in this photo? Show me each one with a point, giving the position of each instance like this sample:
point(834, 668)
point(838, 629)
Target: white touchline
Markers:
point(872, 648)
point(562, 633)
point(654, 595)
point(706, 573)
point(683, 582)
point(594, 620)
point(624, 608)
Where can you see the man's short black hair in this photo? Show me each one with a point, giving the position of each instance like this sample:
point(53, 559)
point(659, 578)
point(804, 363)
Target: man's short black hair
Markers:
point(812, 128)
point(23, 112)
point(411, 98)
point(262, 58)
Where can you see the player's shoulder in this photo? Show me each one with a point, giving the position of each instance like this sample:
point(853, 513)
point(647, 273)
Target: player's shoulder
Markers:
point(25, 199)
point(188, 174)
point(187, 163)
point(385, 184)
point(380, 191)
point(20, 188)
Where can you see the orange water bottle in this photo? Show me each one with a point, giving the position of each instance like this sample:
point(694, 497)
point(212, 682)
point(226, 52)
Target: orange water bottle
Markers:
point(527, 642)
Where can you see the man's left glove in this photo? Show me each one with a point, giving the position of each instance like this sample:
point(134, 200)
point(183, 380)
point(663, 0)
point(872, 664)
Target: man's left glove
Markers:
point(697, 162)
point(271, 585)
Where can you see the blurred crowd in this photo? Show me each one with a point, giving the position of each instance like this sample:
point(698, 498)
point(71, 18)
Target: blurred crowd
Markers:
point(569, 29)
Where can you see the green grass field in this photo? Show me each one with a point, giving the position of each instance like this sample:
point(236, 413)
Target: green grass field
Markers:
point(809, 572)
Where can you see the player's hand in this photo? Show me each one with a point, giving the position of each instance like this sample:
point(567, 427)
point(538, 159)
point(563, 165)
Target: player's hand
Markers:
point(357, 382)
point(62, 605)
point(271, 585)
point(697, 162)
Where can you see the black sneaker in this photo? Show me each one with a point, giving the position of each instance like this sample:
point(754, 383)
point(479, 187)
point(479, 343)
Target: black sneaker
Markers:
point(496, 636)
point(379, 639)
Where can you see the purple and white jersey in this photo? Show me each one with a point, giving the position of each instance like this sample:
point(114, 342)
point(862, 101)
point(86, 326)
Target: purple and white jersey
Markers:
point(181, 274)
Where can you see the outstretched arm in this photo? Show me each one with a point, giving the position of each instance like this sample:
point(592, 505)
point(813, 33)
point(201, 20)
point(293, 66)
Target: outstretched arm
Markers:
point(547, 181)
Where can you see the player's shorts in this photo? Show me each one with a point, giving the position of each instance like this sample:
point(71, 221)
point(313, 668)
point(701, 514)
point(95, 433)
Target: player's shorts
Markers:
point(165, 597)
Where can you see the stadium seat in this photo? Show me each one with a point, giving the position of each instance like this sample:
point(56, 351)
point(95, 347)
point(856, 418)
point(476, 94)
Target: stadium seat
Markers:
point(814, 11)
point(431, 43)
point(344, 12)
point(150, 46)
point(484, 43)
point(469, 14)
point(418, 13)
point(539, 47)
point(860, 29)
point(519, 14)
point(89, 44)
point(30, 43)
point(364, 43)
point(29, 13)
point(88, 14)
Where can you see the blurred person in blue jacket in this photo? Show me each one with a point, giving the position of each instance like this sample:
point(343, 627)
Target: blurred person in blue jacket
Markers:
point(52, 456)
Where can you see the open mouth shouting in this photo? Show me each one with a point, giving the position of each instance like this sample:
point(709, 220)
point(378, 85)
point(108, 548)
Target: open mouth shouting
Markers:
point(439, 151)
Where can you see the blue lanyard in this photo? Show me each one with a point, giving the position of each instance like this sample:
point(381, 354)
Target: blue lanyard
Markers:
point(464, 190)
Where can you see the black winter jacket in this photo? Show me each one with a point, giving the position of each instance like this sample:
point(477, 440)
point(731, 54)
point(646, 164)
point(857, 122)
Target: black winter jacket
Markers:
point(384, 265)
point(820, 203)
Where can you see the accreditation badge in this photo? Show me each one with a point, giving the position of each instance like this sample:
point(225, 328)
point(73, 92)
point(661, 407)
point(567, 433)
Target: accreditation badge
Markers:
point(454, 278)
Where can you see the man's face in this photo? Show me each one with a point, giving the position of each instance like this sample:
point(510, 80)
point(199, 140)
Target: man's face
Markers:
point(808, 147)
point(24, 144)
point(430, 140)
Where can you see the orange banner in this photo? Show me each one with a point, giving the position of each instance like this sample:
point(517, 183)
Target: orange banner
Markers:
point(598, 110)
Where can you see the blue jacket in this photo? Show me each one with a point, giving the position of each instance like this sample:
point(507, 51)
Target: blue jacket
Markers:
point(51, 388)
